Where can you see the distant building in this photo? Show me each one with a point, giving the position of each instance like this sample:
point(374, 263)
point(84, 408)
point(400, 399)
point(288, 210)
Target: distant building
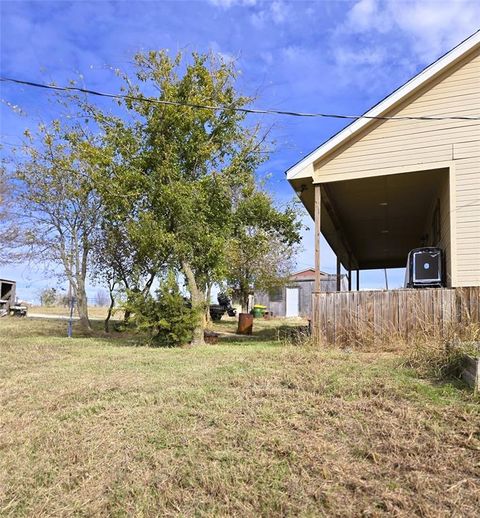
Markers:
point(7, 295)
point(295, 298)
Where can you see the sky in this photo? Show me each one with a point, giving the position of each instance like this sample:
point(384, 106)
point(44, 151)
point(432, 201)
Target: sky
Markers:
point(324, 56)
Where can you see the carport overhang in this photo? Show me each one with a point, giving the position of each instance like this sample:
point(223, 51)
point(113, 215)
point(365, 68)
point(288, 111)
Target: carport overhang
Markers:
point(372, 222)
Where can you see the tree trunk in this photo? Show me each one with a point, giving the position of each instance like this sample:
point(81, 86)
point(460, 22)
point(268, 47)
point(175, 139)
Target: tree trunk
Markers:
point(245, 296)
point(198, 302)
point(128, 313)
point(82, 305)
point(80, 259)
point(208, 318)
point(106, 324)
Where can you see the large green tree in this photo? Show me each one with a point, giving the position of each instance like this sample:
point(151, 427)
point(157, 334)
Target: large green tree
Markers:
point(177, 167)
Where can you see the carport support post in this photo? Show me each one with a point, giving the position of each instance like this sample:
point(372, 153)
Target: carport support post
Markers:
point(358, 279)
point(349, 272)
point(318, 227)
point(339, 269)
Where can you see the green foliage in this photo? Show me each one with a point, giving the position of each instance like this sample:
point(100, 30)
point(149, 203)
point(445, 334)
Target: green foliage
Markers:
point(262, 248)
point(125, 197)
point(175, 169)
point(8, 226)
point(167, 318)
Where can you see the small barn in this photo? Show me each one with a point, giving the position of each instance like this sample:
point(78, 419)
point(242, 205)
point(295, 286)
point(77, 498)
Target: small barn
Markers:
point(7, 294)
point(295, 298)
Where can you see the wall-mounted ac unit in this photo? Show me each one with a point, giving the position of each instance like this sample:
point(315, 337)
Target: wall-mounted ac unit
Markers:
point(425, 268)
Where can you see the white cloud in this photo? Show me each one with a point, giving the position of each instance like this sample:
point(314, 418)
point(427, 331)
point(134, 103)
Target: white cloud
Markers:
point(276, 12)
point(384, 42)
point(279, 11)
point(363, 56)
point(435, 27)
point(364, 15)
point(267, 57)
point(226, 4)
point(292, 53)
point(226, 56)
point(431, 26)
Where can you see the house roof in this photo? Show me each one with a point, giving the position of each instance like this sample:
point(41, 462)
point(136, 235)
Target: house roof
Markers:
point(308, 274)
point(303, 168)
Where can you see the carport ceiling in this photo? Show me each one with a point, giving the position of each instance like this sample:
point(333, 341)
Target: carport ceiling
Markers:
point(381, 218)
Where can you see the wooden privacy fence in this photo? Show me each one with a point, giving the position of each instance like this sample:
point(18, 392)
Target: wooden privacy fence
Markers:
point(342, 317)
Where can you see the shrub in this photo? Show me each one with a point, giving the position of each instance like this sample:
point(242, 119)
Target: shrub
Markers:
point(167, 319)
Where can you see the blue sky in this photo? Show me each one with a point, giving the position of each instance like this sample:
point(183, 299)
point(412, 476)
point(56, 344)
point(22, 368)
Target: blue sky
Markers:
point(330, 56)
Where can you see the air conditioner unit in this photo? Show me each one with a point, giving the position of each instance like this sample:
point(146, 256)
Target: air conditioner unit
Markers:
point(425, 268)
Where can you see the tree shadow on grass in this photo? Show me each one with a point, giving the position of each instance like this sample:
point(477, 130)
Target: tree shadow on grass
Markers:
point(263, 330)
point(20, 329)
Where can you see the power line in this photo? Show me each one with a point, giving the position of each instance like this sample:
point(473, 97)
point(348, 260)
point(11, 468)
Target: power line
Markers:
point(255, 111)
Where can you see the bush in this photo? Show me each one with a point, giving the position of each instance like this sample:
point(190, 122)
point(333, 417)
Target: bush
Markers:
point(167, 319)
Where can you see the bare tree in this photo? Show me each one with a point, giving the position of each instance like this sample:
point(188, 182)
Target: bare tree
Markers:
point(102, 298)
point(58, 205)
point(121, 262)
point(8, 230)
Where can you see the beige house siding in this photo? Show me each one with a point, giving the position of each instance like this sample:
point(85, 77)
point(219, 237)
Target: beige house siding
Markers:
point(411, 143)
point(406, 146)
point(442, 199)
point(466, 217)
point(445, 234)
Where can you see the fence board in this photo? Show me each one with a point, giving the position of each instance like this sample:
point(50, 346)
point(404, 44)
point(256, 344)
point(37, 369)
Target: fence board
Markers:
point(343, 316)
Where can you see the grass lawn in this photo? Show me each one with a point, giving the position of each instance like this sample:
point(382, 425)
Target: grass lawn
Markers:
point(94, 426)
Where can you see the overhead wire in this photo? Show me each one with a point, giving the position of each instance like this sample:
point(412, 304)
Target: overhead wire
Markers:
point(255, 111)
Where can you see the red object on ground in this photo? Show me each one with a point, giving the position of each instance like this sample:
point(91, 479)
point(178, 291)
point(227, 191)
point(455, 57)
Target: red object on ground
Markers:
point(245, 324)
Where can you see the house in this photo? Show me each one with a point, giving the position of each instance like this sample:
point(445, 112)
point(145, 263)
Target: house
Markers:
point(391, 182)
point(295, 298)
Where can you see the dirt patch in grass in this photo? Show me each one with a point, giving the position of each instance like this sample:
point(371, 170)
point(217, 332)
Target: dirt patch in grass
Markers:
point(91, 426)
point(94, 312)
point(262, 329)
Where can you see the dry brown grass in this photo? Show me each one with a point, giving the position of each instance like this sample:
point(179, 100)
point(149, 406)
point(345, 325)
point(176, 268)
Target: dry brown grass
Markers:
point(433, 351)
point(95, 427)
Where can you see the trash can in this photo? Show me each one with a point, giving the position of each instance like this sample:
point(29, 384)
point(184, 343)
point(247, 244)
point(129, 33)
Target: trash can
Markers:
point(245, 324)
point(258, 310)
